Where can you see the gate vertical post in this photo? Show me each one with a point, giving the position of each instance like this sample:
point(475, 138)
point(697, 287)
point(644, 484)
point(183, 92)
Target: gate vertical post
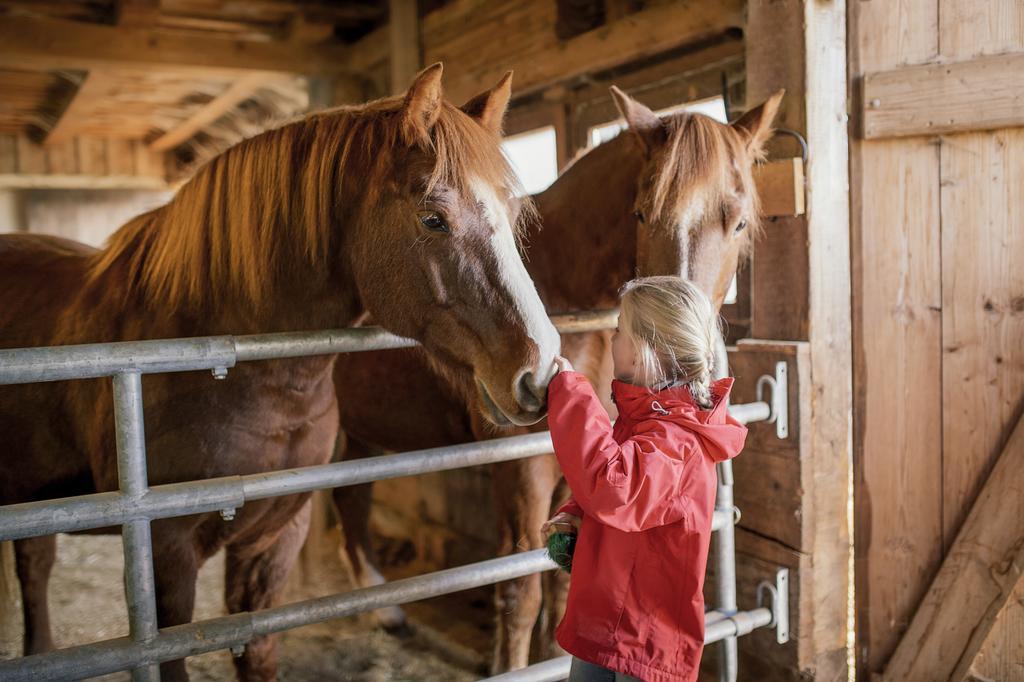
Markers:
point(140, 584)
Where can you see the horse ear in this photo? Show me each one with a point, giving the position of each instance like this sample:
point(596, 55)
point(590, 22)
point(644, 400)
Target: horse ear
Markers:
point(756, 124)
point(645, 125)
point(423, 102)
point(489, 106)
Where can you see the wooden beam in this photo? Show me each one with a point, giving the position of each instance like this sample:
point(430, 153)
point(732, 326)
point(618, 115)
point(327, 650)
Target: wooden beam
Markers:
point(404, 38)
point(80, 163)
point(237, 92)
point(780, 186)
point(142, 13)
point(634, 37)
point(801, 291)
point(929, 99)
point(977, 577)
point(42, 44)
point(94, 89)
point(68, 181)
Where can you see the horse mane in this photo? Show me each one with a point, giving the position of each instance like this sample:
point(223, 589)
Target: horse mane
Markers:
point(699, 150)
point(272, 203)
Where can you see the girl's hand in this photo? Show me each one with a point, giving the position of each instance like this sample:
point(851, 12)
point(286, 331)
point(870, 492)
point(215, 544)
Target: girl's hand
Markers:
point(563, 364)
point(562, 519)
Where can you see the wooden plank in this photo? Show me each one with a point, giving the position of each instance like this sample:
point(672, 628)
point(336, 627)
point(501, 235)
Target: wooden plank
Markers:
point(982, 177)
point(897, 335)
point(970, 29)
point(761, 658)
point(898, 374)
point(38, 43)
point(801, 46)
point(780, 281)
point(92, 156)
point(977, 578)
point(31, 157)
point(236, 93)
point(404, 38)
point(770, 484)
point(138, 12)
point(46, 181)
point(8, 154)
point(978, 94)
point(147, 161)
point(62, 159)
point(120, 157)
point(95, 89)
point(1002, 655)
point(636, 36)
point(780, 186)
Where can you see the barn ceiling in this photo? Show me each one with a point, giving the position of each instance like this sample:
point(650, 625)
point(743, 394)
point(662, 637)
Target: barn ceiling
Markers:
point(125, 69)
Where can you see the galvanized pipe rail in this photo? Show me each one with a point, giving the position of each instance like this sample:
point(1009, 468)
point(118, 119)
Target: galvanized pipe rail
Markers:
point(136, 504)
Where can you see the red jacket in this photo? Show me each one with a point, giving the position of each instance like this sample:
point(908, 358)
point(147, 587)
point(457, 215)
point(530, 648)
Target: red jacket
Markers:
point(646, 493)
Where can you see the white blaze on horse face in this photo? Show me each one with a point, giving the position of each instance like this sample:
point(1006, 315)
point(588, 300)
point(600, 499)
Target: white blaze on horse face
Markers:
point(690, 218)
point(518, 282)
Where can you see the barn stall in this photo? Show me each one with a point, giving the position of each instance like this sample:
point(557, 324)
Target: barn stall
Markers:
point(878, 304)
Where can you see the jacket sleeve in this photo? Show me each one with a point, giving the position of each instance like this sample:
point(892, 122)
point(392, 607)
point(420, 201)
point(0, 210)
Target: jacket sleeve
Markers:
point(571, 506)
point(632, 486)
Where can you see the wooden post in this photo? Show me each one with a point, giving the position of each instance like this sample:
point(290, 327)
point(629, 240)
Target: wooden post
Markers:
point(404, 34)
point(801, 291)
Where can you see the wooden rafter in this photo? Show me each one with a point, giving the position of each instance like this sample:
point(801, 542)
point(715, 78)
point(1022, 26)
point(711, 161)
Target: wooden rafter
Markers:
point(237, 92)
point(95, 88)
point(38, 43)
point(977, 578)
point(636, 36)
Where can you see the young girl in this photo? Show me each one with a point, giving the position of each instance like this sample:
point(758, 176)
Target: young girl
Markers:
point(643, 491)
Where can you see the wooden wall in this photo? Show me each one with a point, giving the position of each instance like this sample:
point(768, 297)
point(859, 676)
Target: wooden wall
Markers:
point(938, 260)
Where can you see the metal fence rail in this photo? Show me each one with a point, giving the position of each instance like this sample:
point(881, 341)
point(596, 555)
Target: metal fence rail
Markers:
point(136, 504)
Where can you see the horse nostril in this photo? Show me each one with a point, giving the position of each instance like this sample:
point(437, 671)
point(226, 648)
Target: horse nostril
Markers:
point(528, 394)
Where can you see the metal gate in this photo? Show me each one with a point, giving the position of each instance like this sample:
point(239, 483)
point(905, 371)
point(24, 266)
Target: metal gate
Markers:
point(136, 504)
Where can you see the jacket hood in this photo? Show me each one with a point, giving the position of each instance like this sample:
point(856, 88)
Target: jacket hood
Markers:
point(721, 435)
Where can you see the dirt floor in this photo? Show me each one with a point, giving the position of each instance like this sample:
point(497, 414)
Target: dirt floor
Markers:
point(87, 603)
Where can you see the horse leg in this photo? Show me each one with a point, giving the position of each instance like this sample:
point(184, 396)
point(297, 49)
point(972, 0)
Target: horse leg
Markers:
point(353, 504)
point(523, 497)
point(34, 559)
point(255, 576)
point(175, 567)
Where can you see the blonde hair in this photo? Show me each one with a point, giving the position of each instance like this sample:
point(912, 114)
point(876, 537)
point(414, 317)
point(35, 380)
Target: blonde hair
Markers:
point(673, 328)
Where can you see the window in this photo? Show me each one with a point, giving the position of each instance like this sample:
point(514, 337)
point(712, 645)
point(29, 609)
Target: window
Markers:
point(534, 156)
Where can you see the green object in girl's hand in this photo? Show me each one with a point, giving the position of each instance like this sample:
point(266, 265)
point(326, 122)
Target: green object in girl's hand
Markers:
point(560, 549)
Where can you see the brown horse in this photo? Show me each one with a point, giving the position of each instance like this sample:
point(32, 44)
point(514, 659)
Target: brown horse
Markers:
point(399, 208)
point(673, 196)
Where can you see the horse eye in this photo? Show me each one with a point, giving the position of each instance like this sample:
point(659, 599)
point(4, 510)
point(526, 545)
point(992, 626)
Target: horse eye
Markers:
point(741, 226)
point(639, 215)
point(434, 222)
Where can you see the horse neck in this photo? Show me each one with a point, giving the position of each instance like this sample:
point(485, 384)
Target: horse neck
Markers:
point(585, 246)
point(201, 254)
